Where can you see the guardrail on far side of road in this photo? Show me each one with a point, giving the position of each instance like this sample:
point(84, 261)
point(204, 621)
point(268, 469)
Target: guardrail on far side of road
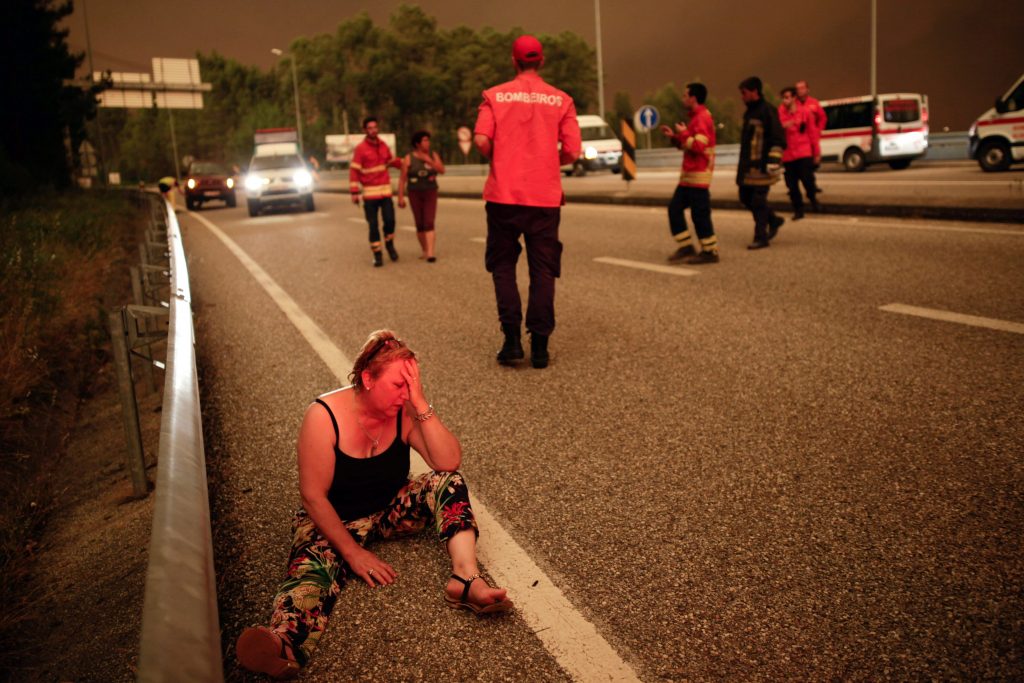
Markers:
point(180, 628)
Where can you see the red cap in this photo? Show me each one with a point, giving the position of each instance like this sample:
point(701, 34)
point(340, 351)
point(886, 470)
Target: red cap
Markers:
point(527, 49)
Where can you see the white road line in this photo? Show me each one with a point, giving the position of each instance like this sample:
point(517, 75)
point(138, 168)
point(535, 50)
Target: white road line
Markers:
point(856, 222)
point(948, 316)
point(567, 635)
point(640, 265)
point(481, 240)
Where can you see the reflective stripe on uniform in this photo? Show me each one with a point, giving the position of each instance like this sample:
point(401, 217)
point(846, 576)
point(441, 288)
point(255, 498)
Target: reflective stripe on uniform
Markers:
point(376, 191)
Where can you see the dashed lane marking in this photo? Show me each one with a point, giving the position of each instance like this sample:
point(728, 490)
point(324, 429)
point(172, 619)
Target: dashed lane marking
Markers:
point(961, 318)
point(641, 265)
point(481, 240)
point(565, 633)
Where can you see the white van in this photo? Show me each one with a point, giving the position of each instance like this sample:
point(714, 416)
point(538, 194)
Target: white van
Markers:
point(601, 149)
point(997, 136)
point(892, 128)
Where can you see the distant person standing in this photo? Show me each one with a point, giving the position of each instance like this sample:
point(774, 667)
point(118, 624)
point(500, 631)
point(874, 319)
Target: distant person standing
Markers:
point(818, 120)
point(761, 143)
point(420, 169)
point(797, 158)
point(519, 127)
point(369, 169)
point(169, 187)
point(696, 138)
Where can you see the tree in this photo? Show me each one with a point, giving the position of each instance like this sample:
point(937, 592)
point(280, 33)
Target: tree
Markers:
point(39, 110)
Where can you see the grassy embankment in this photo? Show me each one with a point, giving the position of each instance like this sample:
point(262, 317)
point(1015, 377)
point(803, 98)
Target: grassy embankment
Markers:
point(65, 261)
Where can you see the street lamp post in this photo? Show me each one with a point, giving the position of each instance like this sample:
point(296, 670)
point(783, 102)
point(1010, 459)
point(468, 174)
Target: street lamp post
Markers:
point(600, 67)
point(874, 48)
point(295, 88)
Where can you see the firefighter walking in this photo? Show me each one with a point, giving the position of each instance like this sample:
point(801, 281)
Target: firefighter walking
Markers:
point(696, 138)
point(369, 171)
point(520, 125)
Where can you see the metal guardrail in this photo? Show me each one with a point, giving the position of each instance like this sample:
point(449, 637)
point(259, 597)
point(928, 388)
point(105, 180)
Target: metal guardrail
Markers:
point(180, 628)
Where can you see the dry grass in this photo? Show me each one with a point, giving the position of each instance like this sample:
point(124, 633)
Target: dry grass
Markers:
point(63, 263)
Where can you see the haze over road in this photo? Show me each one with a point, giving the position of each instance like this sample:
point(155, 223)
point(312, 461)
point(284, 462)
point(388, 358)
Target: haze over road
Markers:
point(745, 470)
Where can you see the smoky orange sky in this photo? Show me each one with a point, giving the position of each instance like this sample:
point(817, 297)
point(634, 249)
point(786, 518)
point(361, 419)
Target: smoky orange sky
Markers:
point(961, 53)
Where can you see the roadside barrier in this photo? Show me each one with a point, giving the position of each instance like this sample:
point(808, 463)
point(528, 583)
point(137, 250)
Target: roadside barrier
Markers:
point(180, 629)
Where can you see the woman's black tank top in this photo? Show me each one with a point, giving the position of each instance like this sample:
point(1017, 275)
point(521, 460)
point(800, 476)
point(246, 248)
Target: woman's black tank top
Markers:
point(421, 177)
point(363, 486)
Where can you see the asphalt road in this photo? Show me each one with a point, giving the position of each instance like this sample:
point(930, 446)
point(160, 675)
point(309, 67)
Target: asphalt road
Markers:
point(750, 472)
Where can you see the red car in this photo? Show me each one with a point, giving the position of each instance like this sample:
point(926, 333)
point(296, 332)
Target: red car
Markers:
point(206, 181)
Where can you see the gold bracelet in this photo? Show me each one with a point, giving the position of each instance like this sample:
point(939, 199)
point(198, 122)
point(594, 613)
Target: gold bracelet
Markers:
point(423, 417)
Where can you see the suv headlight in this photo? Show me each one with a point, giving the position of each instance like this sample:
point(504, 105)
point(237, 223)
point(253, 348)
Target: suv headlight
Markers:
point(191, 183)
point(255, 182)
point(231, 183)
point(590, 153)
point(302, 178)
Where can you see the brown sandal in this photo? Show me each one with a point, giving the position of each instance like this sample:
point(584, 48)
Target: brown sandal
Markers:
point(261, 650)
point(464, 603)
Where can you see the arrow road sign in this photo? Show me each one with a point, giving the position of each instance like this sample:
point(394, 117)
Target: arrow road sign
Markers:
point(646, 118)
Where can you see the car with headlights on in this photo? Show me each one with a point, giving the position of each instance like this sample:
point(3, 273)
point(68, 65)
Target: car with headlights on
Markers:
point(208, 181)
point(600, 150)
point(278, 180)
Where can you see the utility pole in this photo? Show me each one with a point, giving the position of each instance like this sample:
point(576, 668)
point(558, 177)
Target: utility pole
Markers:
point(600, 66)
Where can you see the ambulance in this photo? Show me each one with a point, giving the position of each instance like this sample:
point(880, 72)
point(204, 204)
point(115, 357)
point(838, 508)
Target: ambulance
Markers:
point(997, 136)
point(891, 128)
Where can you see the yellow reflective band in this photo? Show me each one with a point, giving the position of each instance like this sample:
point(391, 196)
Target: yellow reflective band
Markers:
point(684, 238)
point(701, 138)
point(376, 191)
point(375, 169)
point(356, 166)
point(709, 241)
point(689, 143)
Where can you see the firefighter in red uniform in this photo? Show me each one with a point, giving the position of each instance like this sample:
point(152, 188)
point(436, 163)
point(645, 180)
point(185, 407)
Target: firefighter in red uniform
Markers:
point(818, 120)
point(798, 157)
point(519, 127)
point(369, 168)
point(697, 140)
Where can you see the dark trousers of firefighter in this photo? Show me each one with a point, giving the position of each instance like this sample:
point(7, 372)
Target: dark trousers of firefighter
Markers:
point(755, 198)
point(538, 225)
point(387, 214)
point(800, 172)
point(698, 201)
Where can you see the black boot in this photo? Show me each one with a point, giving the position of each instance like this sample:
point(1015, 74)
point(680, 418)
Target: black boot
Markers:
point(774, 223)
point(539, 350)
point(681, 253)
point(378, 259)
point(512, 350)
point(390, 244)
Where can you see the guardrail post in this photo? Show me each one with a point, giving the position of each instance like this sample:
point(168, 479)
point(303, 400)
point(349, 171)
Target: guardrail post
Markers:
point(129, 408)
point(137, 296)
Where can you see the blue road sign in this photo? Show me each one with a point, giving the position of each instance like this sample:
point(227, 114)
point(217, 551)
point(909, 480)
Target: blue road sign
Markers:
point(646, 118)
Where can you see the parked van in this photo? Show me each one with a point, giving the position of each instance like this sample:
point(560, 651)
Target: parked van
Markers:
point(601, 149)
point(997, 136)
point(892, 128)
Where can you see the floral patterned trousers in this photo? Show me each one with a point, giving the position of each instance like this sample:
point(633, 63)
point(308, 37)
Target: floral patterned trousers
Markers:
point(316, 571)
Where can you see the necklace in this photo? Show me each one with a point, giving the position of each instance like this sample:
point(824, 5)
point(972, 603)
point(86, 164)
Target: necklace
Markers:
point(373, 442)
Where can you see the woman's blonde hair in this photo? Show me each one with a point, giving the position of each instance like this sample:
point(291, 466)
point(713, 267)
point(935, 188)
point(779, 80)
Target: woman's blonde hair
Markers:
point(380, 349)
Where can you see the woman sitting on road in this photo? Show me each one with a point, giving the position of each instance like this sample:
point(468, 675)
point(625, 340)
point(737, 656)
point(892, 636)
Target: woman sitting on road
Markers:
point(353, 454)
point(420, 169)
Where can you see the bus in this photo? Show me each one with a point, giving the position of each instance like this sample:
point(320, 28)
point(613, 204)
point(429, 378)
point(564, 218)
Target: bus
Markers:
point(890, 128)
